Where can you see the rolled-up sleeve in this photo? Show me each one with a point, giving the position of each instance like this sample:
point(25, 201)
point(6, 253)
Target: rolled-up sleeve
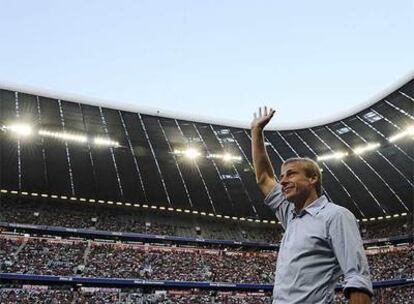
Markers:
point(278, 204)
point(349, 251)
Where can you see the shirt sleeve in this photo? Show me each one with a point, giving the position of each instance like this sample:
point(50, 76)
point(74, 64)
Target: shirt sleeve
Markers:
point(279, 205)
point(349, 251)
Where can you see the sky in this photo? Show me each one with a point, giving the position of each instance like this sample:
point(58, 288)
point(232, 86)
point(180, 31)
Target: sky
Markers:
point(220, 59)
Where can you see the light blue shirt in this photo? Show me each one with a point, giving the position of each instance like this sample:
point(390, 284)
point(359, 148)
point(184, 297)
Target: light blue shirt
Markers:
point(320, 243)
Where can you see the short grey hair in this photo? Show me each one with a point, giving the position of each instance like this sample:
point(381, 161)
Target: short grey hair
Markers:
point(311, 168)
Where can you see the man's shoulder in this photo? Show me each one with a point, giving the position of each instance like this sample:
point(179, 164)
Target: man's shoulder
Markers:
point(332, 211)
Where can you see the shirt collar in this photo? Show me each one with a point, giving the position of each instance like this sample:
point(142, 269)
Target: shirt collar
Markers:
point(314, 207)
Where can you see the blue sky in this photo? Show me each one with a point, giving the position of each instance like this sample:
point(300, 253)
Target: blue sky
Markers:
point(221, 59)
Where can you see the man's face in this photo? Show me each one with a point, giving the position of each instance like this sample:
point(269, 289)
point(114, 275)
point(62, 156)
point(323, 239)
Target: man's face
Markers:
point(296, 186)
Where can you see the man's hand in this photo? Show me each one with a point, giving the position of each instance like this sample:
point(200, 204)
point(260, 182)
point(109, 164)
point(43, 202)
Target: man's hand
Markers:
point(358, 297)
point(265, 177)
point(261, 119)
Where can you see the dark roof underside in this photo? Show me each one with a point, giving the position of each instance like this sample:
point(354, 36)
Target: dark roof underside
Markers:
point(145, 169)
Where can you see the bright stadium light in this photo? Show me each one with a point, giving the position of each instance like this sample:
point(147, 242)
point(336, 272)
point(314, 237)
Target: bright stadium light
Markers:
point(191, 153)
point(336, 155)
point(64, 136)
point(407, 132)
point(19, 129)
point(368, 147)
point(227, 157)
point(102, 141)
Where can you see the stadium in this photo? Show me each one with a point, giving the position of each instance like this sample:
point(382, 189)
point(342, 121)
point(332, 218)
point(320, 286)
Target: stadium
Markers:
point(107, 205)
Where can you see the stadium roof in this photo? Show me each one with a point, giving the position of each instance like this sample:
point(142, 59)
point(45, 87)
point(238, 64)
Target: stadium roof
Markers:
point(133, 106)
point(80, 148)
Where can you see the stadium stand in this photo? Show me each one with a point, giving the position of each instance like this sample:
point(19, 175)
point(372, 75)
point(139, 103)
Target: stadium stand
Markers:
point(122, 260)
point(101, 205)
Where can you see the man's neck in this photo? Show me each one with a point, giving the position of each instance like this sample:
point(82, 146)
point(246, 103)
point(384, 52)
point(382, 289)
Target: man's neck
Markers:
point(302, 204)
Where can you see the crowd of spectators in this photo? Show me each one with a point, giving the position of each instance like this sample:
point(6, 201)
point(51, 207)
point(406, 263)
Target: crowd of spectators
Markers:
point(41, 256)
point(187, 265)
point(386, 228)
point(49, 295)
point(123, 260)
point(8, 250)
point(44, 294)
point(392, 265)
point(68, 257)
point(92, 216)
point(35, 296)
point(77, 215)
point(394, 295)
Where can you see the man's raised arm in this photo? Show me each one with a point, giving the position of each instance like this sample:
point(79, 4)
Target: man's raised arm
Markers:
point(263, 167)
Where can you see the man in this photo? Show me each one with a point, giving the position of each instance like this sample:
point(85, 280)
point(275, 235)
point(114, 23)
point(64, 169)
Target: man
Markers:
point(321, 239)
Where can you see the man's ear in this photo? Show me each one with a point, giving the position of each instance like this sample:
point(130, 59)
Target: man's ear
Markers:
point(314, 179)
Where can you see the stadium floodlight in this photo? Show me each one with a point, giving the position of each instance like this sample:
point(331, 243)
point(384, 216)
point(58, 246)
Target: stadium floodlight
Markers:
point(367, 147)
point(103, 141)
point(229, 157)
point(191, 153)
point(20, 129)
point(335, 155)
point(63, 135)
point(226, 157)
point(407, 132)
